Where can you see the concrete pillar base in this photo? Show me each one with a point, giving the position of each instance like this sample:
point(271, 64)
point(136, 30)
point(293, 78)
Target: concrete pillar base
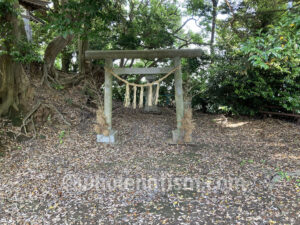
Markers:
point(152, 109)
point(111, 139)
point(177, 136)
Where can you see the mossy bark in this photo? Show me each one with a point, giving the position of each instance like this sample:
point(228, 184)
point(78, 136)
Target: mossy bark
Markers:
point(14, 84)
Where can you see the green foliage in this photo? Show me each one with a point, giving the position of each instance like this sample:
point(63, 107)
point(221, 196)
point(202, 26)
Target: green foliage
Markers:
point(6, 7)
point(194, 78)
point(26, 52)
point(20, 49)
point(278, 48)
point(259, 71)
point(139, 25)
point(61, 136)
point(74, 17)
point(277, 53)
point(203, 11)
point(248, 90)
point(201, 8)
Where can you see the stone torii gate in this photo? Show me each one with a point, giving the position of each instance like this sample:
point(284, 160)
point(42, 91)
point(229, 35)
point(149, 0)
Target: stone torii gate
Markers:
point(173, 54)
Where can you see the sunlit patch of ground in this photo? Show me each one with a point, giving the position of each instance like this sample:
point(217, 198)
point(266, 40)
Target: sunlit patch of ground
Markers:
point(231, 124)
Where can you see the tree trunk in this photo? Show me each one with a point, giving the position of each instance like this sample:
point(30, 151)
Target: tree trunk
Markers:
point(82, 47)
point(66, 60)
point(55, 46)
point(213, 28)
point(51, 52)
point(14, 84)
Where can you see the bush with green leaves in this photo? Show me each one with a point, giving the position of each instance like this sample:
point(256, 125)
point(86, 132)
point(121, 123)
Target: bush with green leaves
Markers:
point(264, 71)
point(276, 54)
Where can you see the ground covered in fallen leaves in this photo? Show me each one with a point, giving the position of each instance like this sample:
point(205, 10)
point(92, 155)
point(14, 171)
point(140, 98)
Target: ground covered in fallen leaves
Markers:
point(237, 171)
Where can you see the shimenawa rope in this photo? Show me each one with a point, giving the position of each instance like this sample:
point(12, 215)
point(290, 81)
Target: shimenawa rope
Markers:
point(128, 84)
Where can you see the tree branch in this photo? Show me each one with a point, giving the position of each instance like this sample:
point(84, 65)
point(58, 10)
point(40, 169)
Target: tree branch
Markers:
point(188, 20)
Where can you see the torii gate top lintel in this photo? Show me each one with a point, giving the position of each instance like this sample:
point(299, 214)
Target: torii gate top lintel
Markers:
point(144, 54)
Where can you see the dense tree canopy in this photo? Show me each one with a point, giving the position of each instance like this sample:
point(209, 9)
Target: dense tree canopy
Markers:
point(253, 45)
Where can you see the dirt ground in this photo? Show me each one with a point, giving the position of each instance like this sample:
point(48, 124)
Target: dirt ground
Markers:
point(237, 171)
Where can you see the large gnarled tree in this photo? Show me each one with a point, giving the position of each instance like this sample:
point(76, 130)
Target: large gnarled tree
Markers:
point(14, 83)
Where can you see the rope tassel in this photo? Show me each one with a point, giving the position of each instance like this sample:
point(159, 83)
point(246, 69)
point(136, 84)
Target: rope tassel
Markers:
point(157, 93)
point(127, 96)
point(141, 103)
point(134, 97)
point(150, 96)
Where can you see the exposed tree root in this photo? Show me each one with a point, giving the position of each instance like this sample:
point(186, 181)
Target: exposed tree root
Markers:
point(60, 78)
point(85, 108)
point(59, 113)
point(29, 117)
point(33, 125)
point(46, 77)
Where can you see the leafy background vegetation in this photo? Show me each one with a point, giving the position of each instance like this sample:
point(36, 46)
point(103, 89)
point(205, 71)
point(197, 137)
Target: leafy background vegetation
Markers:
point(252, 47)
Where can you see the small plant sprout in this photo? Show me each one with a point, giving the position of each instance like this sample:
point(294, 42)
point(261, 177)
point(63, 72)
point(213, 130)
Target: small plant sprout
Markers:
point(58, 86)
point(244, 161)
point(61, 136)
point(284, 176)
point(69, 101)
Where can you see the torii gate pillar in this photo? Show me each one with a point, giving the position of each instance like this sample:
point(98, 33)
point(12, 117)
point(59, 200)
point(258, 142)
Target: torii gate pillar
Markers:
point(108, 93)
point(177, 134)
point(111, 139)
